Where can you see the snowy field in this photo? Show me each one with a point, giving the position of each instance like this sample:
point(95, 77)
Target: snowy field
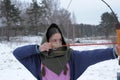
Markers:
point(11, 69)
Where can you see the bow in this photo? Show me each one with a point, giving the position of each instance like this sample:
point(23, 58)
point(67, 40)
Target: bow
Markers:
point(117, 25)
point(117, 33)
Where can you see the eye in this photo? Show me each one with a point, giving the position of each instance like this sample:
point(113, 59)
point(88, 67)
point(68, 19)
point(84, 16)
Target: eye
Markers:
point(55, 40)
point(60, 40)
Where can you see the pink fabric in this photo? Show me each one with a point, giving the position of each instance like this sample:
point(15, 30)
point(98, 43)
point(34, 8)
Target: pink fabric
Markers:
point(50, 75)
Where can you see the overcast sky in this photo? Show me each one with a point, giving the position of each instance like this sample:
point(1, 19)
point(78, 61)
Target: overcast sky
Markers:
point(90, 11)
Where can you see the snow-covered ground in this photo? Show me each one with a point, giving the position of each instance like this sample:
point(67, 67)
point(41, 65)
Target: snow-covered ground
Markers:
point(11, 69)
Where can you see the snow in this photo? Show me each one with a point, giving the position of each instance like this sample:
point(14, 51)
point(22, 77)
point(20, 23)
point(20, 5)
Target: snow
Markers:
point(11, 69)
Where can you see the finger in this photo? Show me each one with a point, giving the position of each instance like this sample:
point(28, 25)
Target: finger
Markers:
point(118, 49)
point(43, 47)
point(47, 47)
point(50, 45)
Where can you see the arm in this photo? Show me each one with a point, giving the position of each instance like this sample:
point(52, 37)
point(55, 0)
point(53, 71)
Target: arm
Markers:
point(25, 51)
point(93, 56)
point(83, 59)
point(28, 56)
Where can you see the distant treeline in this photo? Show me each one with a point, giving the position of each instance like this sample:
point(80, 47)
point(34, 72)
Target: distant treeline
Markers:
point(21, 18)
point(73, 31)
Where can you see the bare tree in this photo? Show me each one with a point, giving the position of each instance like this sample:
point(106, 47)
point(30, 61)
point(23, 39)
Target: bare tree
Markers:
point(58, 15)
point(74, 22)
point(35, 12)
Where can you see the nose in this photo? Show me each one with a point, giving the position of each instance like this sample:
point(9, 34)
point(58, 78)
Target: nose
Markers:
point(57, 44)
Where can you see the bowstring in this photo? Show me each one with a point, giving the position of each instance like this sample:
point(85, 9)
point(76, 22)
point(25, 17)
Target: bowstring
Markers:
point(69, 4)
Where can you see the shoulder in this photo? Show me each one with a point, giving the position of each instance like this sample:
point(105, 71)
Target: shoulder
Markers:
point(26, 48)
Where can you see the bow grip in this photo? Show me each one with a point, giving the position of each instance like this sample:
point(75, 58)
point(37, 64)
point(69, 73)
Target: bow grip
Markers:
point(118, 37)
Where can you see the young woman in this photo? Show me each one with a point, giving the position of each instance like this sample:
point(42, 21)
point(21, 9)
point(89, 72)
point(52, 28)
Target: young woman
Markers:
point(53, 61)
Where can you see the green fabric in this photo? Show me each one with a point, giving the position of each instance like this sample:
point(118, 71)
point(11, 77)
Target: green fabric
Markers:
point(56, 60)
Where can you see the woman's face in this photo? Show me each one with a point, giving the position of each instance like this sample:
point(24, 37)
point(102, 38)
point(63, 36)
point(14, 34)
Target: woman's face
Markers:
point(56, 40)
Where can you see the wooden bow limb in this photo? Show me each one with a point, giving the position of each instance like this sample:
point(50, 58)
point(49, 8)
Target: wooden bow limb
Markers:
point(117, 25)
point(117, 34)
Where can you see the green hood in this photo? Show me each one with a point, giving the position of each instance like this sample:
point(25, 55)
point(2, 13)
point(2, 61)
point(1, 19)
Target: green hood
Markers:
point(53, 26)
